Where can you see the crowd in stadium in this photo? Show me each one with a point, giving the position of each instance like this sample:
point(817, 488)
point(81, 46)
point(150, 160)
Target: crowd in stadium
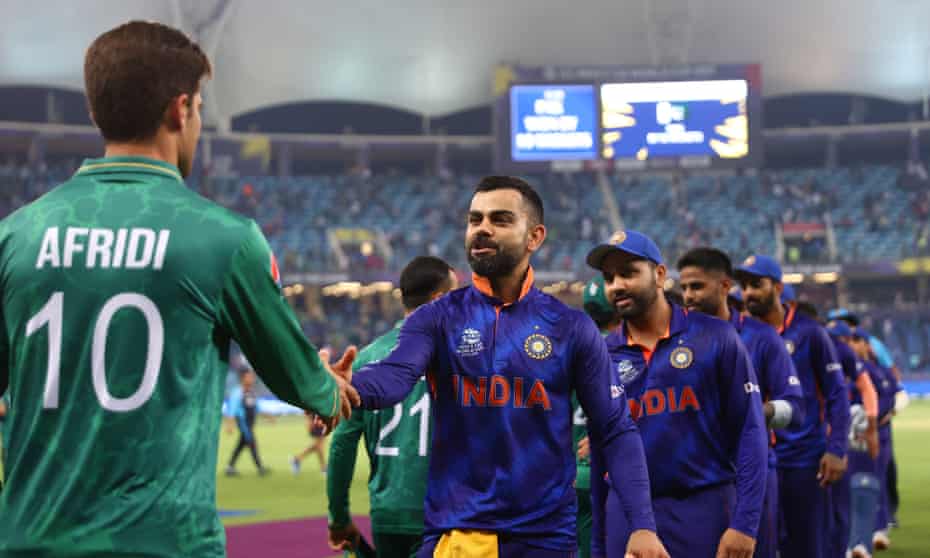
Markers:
point(694, 405)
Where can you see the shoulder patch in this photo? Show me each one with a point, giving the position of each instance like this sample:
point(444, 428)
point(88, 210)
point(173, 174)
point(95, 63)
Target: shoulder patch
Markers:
point(275, 271)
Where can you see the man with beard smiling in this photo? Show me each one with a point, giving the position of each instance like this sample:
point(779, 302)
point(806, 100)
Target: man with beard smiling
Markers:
point(706, 280)
point(502, 360)
point(696, 400)
point(809, 459)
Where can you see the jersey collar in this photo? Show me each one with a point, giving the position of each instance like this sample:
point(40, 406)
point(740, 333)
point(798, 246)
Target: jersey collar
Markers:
point(483, 286)
point(134, 165)
point(676, 325)
point(790, 310)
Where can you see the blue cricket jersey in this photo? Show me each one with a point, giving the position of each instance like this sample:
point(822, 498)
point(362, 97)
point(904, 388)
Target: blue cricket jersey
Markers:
point(502, 378)
point(773, 366)
point(825, 399)
point(696, 401)
point(852, 366)
point(886, 387)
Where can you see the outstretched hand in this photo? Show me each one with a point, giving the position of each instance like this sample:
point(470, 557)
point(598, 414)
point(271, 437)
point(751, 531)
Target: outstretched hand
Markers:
point(341, 371)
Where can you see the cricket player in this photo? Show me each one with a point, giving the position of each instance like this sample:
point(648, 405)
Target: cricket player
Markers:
point(396, 439)
point(596, 305)
point(121, 291)
point(696, 400)
point(502, 361)
point(244, 410)
point(886, 385)
point(808, 458)
point(706, 279)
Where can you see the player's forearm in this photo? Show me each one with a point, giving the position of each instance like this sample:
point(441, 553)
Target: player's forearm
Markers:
point(598, 505)
point(625, 460)
point(869, 395)
point(751, 470)
point(384, 384)
point(837, 416)
point(343, 450)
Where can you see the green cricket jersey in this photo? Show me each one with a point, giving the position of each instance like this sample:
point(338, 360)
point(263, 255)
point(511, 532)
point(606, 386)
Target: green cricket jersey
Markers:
point(398, 443)
point(579, 431)
point(120, 291)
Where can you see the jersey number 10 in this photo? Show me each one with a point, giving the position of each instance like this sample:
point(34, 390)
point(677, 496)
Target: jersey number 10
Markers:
point(52, 315)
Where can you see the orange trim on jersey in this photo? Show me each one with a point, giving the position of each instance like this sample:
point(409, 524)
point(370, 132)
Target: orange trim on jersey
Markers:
point(648, 351)
point(483, 284)
point(792, 309)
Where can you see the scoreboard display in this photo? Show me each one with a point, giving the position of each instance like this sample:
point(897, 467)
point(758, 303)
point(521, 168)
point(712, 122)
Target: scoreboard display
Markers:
point(633, 118)
point(551, 122)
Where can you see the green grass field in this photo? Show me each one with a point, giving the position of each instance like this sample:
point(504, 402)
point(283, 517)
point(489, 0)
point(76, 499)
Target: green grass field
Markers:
point(283, 495)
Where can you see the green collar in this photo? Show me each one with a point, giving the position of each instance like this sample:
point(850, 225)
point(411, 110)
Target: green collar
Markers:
point(129, 164)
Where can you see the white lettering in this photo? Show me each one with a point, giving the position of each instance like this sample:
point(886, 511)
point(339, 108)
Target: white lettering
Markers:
point(71, 244)
point(99, 243)
point(143, 239)
point(162, 248)
point(120, 250)
point(48, 253)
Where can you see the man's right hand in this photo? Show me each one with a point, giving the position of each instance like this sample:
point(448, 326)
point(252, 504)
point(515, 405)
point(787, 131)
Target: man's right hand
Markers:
point(584, 448)
point(344, 538)
point(645, 544)
point(341, 372)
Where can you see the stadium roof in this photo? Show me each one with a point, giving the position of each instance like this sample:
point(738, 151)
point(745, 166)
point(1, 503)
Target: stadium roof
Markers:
point(437, 56)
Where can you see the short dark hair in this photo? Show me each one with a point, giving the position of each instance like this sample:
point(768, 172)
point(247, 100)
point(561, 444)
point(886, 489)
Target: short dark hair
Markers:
point(531, 199)
point(708, 259)
point(807, 309)
point(132, 72)
point(423, 277)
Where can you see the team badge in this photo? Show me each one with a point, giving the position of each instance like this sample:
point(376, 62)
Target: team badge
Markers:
point(471, 343)
point(751, 260)
point(617, 238)
point(681, 357)
point(538, 346)
point(592, 290)
point(627, 371)
point(789, 344)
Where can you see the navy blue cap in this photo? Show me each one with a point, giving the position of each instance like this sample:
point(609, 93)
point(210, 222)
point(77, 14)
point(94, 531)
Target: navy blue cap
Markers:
point(860, 332)
point(631, 242)
point(761, 266)
point(788, 294)
point(843, 314)
point(839, 328)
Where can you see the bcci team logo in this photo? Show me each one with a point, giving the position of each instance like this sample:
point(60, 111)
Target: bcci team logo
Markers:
point(627, 371)
point(681, 357)
point(789, 344)
point(471, 343)
point(538, 346)
point(750, 261)
point(617, 238)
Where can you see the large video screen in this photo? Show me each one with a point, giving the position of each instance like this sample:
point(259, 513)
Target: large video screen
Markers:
point(553, 122)
point(627, 118)
point(643, 121)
